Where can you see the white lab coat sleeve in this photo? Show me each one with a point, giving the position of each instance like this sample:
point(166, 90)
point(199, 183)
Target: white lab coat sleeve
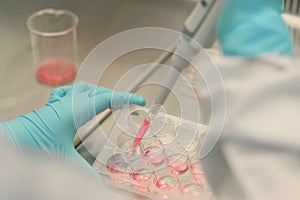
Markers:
point(258, 151)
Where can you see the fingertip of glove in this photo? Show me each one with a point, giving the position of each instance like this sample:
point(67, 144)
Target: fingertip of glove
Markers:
point(138, 100)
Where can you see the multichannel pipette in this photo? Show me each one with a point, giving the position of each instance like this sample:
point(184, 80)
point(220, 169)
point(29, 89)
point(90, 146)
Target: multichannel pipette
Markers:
point(199, 29)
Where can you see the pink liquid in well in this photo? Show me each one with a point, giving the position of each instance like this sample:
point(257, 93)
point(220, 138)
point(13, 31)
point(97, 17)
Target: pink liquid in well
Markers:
point(117, 167)
point(191, 190)
point(180, 169)
point(56, 71)
point(154, 154)
point(165, 182)
point(142, 188)
point(197, 173)
point(142, 131)
point(141, 175)
point(195, 169)
point(178, 166)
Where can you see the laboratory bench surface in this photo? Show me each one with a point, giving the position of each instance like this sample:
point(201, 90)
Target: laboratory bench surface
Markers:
point(98, 20)
point(21, 92)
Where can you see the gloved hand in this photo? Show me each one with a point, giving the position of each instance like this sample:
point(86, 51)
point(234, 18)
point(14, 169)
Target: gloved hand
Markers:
point(52, 128)
point(253, 27)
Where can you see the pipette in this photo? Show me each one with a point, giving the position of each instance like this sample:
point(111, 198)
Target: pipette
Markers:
point(142, 131)
point(145, 125)
point(201, 27)
point(179, 64)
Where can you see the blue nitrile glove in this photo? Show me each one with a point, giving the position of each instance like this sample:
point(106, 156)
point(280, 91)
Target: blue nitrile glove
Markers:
point(52, 128)
point(253, 27)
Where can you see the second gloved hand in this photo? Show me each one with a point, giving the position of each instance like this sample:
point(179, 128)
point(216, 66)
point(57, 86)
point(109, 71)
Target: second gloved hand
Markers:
point(253, 27)
point(52, 128)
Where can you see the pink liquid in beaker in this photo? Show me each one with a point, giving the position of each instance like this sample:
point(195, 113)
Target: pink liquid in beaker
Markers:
point(56, 71)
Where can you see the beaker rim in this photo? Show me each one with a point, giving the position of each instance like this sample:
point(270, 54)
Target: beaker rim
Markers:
point(52, 11)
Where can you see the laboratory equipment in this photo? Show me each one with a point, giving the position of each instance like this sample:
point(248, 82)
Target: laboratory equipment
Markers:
point(164, 129)
point(199, 29)
point(54, 45)
point(176, 159)
point(140, 170)
point(196, 170)
point(136, 118)
point(187, 138)
point(141, 132)
point(124, 142)
point(189, 188)
point(200, 26)
point(164, 180)
point(118, 167)
point(164, 183)
point(153, 150)
point(154, 169)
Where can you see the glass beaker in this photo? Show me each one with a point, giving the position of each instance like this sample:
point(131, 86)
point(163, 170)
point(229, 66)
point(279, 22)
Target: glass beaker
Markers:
point(54, 45)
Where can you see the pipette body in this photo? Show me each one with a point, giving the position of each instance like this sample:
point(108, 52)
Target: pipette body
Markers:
point(198, 33)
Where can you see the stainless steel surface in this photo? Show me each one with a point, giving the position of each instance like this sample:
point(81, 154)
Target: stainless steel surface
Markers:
point(98, 20)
